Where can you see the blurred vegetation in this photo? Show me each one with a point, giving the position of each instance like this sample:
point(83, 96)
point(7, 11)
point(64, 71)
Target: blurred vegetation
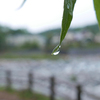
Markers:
point(23, 94)
point(87, 43)
point(29, 55)
point(5, 32)
point(51, 32)
point(3, 44)
point(49, 46)
point(92, 28)
point(31, 46)
point(35, 46)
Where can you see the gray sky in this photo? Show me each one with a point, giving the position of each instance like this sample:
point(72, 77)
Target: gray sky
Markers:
point(40, 15)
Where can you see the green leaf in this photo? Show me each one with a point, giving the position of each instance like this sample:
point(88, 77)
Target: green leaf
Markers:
point(66, 21)
point(22, 4)
point(97, 9)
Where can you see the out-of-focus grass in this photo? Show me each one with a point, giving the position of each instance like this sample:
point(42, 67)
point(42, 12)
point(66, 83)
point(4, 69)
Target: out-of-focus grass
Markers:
point(24, 94)
point(9, 90)
point(28, 95)
point(30, 55)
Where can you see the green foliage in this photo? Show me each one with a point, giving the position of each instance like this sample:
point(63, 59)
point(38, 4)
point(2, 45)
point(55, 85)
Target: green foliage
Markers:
point(48, 45)
point(51, 32)
point(66, 21)
point(32, 55)
point(6, 32)
point(97, 9)
point(28, 45)
point(2, 41)
point(24, 94)
point(67, 18)
point(29, 95)
point(92, 28)
point(2, 38)
point(9, 89)
point(19, 32)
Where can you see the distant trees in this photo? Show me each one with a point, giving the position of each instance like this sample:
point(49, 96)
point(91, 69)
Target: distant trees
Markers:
point(31, 46)
point(19, 32)
point(3, 44)
point(47, 40)
point(5, 32)
point(48, 44)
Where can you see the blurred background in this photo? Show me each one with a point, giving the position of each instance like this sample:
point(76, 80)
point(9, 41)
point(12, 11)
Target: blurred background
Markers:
point(27, 38)
point(36, 27)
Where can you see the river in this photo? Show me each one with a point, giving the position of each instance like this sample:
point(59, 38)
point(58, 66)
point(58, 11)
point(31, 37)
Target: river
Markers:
point(84, 70)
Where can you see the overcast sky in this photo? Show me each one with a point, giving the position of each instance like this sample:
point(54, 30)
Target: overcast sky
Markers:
point(40, 15)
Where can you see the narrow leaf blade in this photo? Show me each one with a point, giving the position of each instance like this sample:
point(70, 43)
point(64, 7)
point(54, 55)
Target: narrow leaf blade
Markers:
point(97, 10)
point(67, 17)
point(66, 21)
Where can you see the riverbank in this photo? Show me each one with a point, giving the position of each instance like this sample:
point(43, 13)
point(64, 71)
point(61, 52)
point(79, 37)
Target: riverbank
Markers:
point(12, 94)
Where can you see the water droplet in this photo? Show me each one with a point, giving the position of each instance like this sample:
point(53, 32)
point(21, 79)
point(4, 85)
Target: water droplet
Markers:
point(56, 50)
point(56, 53)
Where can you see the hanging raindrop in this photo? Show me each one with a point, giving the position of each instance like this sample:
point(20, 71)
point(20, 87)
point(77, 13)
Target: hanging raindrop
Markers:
point(56, 50)
point(56, 53)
